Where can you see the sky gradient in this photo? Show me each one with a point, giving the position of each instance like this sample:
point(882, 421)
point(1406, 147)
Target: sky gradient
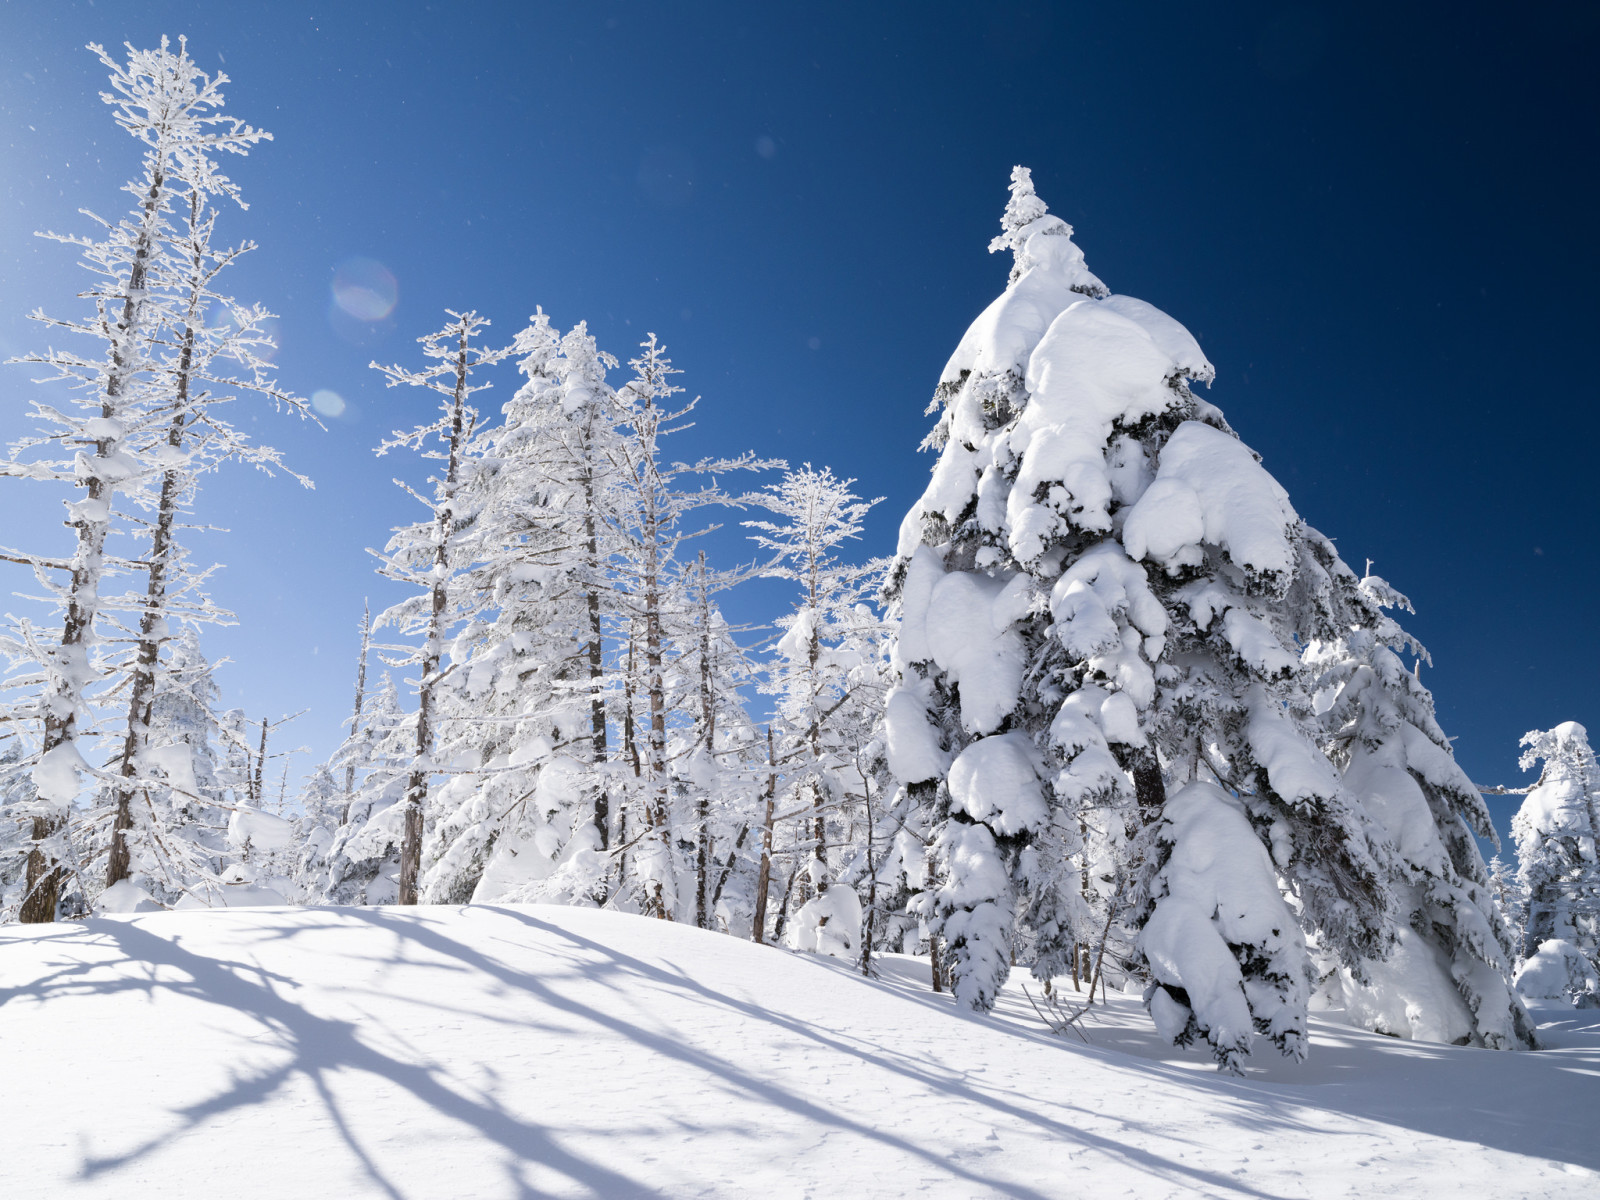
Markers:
point(1378, 220)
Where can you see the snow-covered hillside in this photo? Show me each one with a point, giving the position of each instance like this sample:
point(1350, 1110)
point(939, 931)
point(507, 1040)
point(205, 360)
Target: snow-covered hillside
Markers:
point(547, 1051)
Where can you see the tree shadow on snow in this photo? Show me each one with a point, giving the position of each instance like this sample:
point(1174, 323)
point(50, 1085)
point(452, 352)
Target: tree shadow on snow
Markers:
point(319, 1049)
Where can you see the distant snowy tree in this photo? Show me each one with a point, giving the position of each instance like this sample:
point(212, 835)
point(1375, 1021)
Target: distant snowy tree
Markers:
point(1101, 709)
point(1555, 832)
point(356, 859)
point(828, 679)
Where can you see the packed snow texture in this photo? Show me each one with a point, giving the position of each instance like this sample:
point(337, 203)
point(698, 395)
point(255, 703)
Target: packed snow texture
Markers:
point(548, 1051)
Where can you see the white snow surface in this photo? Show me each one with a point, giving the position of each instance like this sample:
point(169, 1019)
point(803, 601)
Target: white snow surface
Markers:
point(508, 1051)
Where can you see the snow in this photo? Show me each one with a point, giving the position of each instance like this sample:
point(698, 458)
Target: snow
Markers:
point(1216, 899)
point(829, 924)
point(969, 632)
point(1558, 971)
point(544, 1051)
point(259, 830)
point(996, 780)
point(1212, 475)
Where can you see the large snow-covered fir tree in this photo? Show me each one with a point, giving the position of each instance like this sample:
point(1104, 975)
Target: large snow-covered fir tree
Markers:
point(1101, 710)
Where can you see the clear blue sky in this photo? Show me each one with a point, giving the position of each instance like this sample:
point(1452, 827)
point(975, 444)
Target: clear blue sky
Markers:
point(1378, 219)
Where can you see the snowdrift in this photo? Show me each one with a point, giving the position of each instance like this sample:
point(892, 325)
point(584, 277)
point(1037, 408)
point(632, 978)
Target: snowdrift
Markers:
point(488, 1051)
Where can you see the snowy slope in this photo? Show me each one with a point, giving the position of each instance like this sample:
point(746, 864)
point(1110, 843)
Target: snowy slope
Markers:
point(534, 1051)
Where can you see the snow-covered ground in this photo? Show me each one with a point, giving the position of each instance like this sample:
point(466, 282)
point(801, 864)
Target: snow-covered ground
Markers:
point(542, 1051)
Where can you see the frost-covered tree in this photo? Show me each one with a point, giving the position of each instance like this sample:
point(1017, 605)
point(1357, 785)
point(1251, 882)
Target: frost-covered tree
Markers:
point(652, 519)
point(529, 705)
point(1555, 832)
point(353, 857)
point(1101, 710)
point(116, 427)
point(215, 346)
point(427, 555)
point(828, 681)
point(1448, 977)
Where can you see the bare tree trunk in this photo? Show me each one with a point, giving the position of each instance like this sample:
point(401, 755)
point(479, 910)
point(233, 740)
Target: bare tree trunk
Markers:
point(416, 793)
point(44, 877)
point(256, 791)
point(597, 705)
point(872, 887)
point(933, 963)
point(708, 735)
point(764, 876)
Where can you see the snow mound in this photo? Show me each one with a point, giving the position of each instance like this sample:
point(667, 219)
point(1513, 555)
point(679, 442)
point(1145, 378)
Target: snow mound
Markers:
point(1559, 971)
point(506, 1051)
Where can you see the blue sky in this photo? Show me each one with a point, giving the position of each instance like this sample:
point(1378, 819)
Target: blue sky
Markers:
point(1377, 219)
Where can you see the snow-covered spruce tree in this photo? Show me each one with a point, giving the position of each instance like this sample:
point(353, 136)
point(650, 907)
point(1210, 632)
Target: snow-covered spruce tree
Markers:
point(826, 678)
point(528, 706)
point(1448, 977)
point(1102, 594)
point(1556, 832)
point(171, 107)
point(425, 555)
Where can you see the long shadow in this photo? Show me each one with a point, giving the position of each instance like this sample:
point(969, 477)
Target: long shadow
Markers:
point(1357, 1074)
point(1263, 1105)
point(319, 1048)
point(771, 1093)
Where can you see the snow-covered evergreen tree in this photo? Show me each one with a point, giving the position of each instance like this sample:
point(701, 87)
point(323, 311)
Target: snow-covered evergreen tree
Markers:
point(1103, 597)
point(529, 706)
point(1448, 977)
point(1555, 832)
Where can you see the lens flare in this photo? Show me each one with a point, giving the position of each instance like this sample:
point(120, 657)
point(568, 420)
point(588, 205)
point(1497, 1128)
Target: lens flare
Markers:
point(327, 402)
point(365, 289)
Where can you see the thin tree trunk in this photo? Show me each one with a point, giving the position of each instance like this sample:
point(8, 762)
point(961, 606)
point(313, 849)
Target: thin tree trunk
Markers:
point(783, 909)
point(361, 695)
point(764, 876)
point(934, 964)
point(597, 705)
point(708, 728)
point(416, 793)
point(256, 791)
point(152, 625)
point(872, 888)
